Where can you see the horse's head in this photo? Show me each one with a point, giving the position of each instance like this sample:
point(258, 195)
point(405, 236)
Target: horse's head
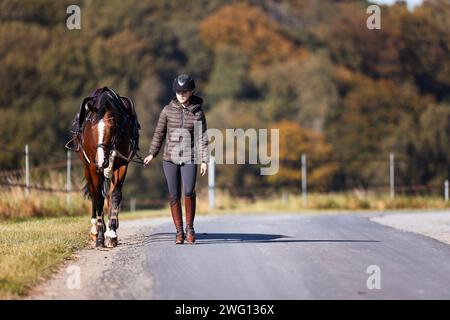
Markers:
point(104, 126)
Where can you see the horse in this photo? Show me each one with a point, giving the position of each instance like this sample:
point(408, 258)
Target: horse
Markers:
point(106, 145)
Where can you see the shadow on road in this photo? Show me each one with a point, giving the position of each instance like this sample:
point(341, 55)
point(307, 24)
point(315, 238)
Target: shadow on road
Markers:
point(215, 238)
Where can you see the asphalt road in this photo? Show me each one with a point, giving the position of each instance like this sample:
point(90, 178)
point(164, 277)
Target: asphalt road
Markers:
point(263, 257)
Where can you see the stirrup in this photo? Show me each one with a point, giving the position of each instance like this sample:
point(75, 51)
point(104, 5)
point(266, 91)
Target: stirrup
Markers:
point(72, 148)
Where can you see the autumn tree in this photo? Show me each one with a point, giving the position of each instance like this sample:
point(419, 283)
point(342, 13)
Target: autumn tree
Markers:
point(249, 29)
point(295, 140)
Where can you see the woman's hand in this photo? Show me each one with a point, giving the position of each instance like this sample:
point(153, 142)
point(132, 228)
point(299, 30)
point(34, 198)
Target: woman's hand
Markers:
point(203, 168)
point(147, 160)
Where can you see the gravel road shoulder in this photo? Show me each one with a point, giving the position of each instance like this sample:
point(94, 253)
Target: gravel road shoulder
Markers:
point(435, 225)
point(98, 268)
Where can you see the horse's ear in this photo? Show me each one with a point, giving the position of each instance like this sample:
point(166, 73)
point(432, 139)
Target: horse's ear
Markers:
point(87, 104)
point(108, 101)
point(127, 102)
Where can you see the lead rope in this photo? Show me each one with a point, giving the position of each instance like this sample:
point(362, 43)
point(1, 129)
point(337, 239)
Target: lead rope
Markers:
point(133, 153)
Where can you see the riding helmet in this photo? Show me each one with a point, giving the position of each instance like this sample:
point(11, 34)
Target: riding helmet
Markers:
point(183, 82)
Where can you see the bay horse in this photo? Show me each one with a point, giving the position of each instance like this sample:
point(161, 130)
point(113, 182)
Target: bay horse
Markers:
point(106, 144)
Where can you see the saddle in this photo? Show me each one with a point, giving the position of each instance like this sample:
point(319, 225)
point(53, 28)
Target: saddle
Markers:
point(125, 103)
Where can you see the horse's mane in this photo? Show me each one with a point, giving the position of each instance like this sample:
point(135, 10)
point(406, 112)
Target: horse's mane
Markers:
point(107, 97)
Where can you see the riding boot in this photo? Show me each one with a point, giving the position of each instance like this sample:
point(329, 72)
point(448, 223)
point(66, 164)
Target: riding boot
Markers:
point(190, 202)
point(175, 208)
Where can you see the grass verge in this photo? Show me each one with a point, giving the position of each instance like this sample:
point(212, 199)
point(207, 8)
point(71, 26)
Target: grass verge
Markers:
point(316, 203)
point(32, 249)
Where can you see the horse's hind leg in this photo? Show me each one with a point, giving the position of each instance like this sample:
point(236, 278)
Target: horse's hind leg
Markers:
point(114, 208)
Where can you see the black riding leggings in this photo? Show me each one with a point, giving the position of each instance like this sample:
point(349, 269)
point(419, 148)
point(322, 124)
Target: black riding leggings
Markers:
point(175, 173)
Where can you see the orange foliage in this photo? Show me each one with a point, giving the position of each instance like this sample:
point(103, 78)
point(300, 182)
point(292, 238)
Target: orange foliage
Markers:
point(295, 140)
point(248, 28)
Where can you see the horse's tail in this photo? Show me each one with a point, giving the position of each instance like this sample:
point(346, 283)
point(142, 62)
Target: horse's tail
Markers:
point(85, 189)
point(87, 194)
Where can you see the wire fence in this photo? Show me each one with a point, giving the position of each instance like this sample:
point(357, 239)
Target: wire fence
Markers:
point(10, 179)
point(44, 167)
point(37, 187)
point(21, 152)
point(255, 192)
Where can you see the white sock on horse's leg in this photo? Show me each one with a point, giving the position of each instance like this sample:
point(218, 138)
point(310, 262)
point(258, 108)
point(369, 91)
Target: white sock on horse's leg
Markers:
point(94, 226)
point(110, 233)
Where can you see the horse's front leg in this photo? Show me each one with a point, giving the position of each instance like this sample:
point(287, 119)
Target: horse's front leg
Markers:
point(101, 226)
point(94, 183)
point(90, 190)
point(93, 235)
point(98, 201)
point(115, 201)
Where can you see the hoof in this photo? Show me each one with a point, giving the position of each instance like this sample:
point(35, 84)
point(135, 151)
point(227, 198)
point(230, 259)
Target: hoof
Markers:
point(111, 242)
point(99, 243)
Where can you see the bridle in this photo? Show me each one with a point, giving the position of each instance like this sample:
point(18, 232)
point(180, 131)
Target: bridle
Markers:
point(111, 147)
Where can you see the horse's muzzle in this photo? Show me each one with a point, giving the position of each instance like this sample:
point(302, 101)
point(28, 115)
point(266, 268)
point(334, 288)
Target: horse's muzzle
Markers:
point(99, 168)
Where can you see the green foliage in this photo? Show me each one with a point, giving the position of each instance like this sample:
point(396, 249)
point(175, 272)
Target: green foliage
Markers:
point(228, 78)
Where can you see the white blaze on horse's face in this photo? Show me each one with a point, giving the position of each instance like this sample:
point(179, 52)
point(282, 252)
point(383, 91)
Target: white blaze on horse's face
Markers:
point(100, 151)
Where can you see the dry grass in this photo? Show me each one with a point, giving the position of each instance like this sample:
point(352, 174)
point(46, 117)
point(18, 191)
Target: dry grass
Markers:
point(38, 232)
point(15, 204)
point(322, 201)
point(331, 202)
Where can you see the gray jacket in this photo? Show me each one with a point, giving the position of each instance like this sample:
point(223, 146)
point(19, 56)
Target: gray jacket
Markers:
point(184, 129)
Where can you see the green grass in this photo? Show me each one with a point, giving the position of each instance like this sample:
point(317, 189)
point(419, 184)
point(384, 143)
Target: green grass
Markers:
point(32, 249)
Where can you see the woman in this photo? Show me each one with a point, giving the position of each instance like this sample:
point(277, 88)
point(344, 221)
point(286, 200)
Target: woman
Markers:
point(183, 122)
